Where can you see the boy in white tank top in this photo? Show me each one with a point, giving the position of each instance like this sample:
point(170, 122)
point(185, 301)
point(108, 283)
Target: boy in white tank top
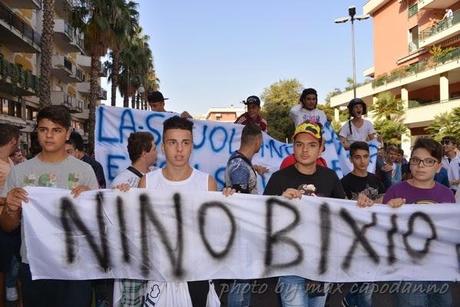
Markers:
point(179, 176)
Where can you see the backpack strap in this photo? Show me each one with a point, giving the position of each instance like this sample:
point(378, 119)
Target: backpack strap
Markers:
point(135, 172)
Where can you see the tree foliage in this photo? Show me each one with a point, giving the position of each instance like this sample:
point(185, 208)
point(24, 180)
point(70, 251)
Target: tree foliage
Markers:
point(278, 99)
point(388, 114)
point(330, 114)
point(445, 124)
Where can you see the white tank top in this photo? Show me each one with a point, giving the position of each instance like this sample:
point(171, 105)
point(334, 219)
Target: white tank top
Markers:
point(198, 181)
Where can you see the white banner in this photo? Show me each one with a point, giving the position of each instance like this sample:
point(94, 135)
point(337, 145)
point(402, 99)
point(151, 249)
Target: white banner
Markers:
point(214, 142)
point(199, 236)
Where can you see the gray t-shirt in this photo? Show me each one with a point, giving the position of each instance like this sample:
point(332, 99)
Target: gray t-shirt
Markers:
point(66, 174)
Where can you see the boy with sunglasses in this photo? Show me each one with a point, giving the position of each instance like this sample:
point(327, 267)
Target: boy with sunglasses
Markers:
point(424, 163)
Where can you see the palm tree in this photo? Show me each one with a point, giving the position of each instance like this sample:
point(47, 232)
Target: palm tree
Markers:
point(136, 67)
point(124, 25)
point(445, 124)
point(388, 114)
point(94, 19)
point(46, 52)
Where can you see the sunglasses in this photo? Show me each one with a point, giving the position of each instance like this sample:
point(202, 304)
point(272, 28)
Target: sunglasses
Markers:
point(446, 142)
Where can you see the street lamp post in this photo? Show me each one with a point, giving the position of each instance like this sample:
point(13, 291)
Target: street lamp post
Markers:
point(140, 91)
point(352, 17)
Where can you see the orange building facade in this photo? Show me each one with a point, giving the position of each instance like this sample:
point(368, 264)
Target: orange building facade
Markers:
point(416, 58)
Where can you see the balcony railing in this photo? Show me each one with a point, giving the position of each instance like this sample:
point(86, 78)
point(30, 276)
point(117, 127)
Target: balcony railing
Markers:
point(421, 103)
point(441, 26)
point(413, 46)
point(75, 37)
point(24, 79)
point(79, 74)
point(19, 24)
point(413, 9)
point(416, 68)
point(67, 64)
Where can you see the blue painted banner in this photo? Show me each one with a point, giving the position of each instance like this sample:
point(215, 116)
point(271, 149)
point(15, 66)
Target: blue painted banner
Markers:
point(213, 144)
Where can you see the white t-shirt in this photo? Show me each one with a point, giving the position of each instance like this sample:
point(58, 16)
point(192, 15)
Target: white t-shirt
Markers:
point(453, 170)
point(357, 134)
point(173, 293)
point(126, 176)
point(299, 114)
point(198, 181)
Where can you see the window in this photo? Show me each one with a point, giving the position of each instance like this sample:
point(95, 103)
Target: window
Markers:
point(11, 108)
point(413, 39)
point(31, 113)
point(4, 106)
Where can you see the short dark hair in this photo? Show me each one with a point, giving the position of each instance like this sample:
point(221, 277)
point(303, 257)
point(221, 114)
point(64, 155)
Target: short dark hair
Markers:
point(77, 141)
point(308, 91)
point(432, 146)
point(358, 145)
point(139, 142)
point(250, 131)
point(7, 133)
point(57, 114)
point(450, 138)
point(177, 122)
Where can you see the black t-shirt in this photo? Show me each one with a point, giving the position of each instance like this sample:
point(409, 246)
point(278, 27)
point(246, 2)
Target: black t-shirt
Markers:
point(370, 185)
point(326, 182)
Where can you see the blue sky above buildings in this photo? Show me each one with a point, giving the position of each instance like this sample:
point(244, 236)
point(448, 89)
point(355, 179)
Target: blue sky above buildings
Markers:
point(211, 53)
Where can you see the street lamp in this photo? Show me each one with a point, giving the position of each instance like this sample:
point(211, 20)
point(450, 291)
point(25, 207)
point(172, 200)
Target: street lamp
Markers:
point(352, 17)
point(141, 91)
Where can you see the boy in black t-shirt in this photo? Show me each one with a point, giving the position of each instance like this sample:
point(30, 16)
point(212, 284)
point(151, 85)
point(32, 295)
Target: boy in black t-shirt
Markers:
point(305, 177)
point(361, 185)
point(366, 189)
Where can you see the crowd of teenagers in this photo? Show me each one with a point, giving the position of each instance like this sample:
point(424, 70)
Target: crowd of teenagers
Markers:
point(431, 174)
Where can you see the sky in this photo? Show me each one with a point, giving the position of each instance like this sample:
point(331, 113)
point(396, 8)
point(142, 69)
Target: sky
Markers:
point(210, 53)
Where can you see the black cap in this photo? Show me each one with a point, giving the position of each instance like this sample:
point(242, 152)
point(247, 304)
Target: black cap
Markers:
point(155, 96)
point(252, 100)
point(356, 101)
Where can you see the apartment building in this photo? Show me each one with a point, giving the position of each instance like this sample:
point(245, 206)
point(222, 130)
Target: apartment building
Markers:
point(20, 28)
point(71, 66)
point(416, 57)
point(226, 115)
point(19, 50)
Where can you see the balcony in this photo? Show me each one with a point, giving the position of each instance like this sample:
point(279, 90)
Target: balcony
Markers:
point(84, 62)
point(79, 75)
point(65, 70)
point(373, 5)
point(66, 37)
point(444, 29)
point(64, 7)
point(61, 66)
point(17, 81)
point(424, 73)
point(420, 114)
point(17, 34)
point(61, 98)
point(24, 4)
point(435, 4)
point(413, 46)
point(413, 9)
point(84, 88)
